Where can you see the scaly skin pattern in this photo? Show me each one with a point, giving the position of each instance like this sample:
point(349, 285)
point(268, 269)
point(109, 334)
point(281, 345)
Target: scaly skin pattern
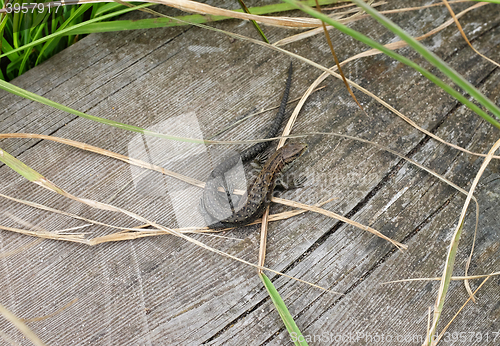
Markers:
point(221, 207)
point(260, 192)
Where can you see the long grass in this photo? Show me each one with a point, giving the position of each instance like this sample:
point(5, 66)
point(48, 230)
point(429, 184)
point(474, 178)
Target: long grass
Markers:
point(24, 26)
point(30, 38)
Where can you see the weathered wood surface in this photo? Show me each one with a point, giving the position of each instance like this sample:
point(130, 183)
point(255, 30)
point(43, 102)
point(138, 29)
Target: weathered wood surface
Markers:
point(162, 290)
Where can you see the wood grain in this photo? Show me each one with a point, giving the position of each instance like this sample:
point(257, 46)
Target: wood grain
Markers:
point(161, 290)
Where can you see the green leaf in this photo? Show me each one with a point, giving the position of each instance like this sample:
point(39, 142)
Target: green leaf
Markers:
point(7, 48)
point(112, 6)
point(294, 331)
point(254, 23)
point(149, 23)
point(34, 97)
point(28, 51)
point(65, 31)
point(15, 29)
point(492, 1)
point(14, 65)
point(52, 43)
point(18, 166)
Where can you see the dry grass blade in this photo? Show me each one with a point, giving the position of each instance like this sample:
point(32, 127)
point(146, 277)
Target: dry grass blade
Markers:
point(38, 179)
point(332, 50)
point(393, 46)
point(290, 213)
point(450, 258)
point(358, 16)
point(133, 234)
point(338, 7)
point(128, 233)
point(266, 218)
point(136, 233)
point(429, 311)
point(20, 249)
point(263, 238)
point(458, 312)
point(465, 36)
point(352, 10)
point(75, 238)
point(21, 326)
point(257, 113)
point(197, 7)
point(453, 278)
point(108, 153)
point(338, 16)
point(58, 311)
point(326, 70)
point(469, 260)
point(103, 206)
point(401, 44)
point(341, 218)
point(57, 211)
point(443, 179)
point(126, 159)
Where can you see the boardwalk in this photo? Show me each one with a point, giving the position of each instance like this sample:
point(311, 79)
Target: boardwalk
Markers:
point(190, 82)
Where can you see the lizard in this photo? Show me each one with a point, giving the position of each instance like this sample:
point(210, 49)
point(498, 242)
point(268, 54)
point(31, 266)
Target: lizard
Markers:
point(259, 193)
point(212, 204)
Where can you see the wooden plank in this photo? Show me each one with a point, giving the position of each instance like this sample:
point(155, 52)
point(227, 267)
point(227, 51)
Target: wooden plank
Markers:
point(162, 290)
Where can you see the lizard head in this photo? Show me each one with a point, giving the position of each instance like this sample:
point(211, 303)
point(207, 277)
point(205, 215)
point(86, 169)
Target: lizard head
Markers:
point(291, 151)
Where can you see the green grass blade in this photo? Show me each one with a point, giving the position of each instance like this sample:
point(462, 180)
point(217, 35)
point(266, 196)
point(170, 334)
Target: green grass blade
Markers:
point(52, 43)
point(28, 51)
point(19, 167)
point(34, 97)
point(452, 250)
point(95, 8)
point(15, 29)
point(450, 263)
point(294, 331)
point(54, 22)
point(13, 66)
point(456, 77)
point(29, 173)
point(112, 6)
point(150, 23)
point(362, 38)
point(22, 66)
point(7, 48)
point(65, 31)
point(147, 23)
point(254, 23)
point(3, 22)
